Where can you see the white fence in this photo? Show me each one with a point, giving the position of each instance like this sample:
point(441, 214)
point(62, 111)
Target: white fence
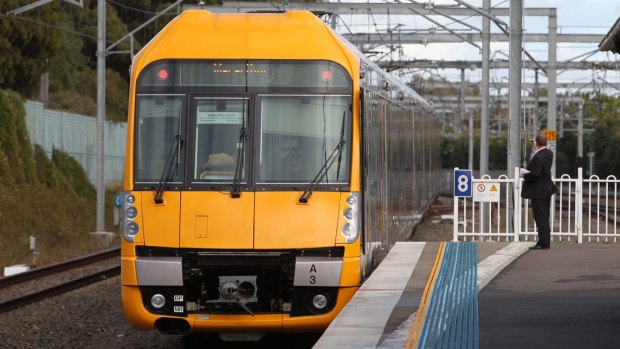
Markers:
point(583, 210)
point(77, 135)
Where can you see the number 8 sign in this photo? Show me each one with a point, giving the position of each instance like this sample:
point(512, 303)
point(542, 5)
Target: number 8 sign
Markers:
point(462, 183)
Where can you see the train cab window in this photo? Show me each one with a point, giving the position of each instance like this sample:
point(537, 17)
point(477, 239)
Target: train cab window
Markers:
point(297, 136)
point(158, 123)
point(218, 138)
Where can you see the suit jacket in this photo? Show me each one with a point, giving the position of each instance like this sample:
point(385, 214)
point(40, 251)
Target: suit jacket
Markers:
point(537, 183)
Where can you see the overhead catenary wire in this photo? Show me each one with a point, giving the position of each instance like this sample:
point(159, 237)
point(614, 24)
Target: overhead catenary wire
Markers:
point(48, 25)
point(135, 9)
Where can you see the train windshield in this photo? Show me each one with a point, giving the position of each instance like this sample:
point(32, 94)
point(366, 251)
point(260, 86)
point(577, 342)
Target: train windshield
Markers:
point(220, 138)
point(299, 133)
point(210, 124)
point(157, 127)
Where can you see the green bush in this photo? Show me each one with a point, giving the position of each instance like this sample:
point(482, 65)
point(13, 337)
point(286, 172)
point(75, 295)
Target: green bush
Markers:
point(47, 173)
point(74, 174)
point(455, 153)
point(16, 161)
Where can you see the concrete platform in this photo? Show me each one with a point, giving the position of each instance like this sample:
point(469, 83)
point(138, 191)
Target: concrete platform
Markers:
point(382, 312)
point(565, 297)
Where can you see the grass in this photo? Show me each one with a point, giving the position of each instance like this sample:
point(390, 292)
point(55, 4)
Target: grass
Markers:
point(50, 199)
point(59, 220)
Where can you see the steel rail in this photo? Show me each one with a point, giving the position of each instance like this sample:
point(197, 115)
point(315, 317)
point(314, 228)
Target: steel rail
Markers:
point(53, 291)
point(59, 267)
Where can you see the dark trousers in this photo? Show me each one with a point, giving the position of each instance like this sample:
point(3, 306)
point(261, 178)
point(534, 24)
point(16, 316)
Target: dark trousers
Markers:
point(540, 209)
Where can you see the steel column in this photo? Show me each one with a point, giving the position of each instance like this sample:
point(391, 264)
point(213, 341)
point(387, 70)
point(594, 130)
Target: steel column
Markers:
point(484, 107)
point(535, 121)
point(101, 53)
point(514, 135)
point(516, 39)
point(461, 115)
point(580, 135)
point(484, 91)
point(552, 78)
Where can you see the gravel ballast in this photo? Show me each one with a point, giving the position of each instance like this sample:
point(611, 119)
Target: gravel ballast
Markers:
point(90, 317)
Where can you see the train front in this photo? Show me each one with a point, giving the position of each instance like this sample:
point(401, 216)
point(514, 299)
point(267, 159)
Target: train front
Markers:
point(242, 209)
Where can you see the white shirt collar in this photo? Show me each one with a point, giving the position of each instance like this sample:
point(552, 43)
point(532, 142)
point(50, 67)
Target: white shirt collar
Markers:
point(539, 149)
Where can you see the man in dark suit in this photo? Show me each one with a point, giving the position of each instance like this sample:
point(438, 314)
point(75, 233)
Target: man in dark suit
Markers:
point(539, 188)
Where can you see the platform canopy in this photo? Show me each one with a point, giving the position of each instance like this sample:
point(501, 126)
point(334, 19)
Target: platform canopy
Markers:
point(611, 41)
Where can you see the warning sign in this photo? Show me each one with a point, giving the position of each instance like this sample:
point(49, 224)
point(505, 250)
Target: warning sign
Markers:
point(486, 192)
point(551, 135)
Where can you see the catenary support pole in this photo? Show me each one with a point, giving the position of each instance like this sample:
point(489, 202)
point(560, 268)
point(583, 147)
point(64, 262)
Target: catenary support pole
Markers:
point(516, 39)
point(514, 135)
point(484, 87)
point(470, 137)
point(101, 53)
point(484, 107)
point(552, 78)
point(580, 136)
point(561, 131)
point(461, 115)
point(535, 121)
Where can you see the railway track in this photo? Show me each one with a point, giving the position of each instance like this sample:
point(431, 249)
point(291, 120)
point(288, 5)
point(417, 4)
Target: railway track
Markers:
point(63, 287)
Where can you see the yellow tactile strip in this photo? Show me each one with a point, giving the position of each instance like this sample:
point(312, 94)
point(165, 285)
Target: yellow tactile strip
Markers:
point(416, 328)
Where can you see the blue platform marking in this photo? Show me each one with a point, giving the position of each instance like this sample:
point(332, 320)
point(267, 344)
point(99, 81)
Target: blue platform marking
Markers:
point(452, 316)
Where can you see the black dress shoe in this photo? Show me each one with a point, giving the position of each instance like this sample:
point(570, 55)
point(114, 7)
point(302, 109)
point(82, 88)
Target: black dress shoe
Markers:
point(539, 247)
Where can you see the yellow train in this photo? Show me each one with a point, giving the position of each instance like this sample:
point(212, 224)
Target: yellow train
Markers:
point(270, 167)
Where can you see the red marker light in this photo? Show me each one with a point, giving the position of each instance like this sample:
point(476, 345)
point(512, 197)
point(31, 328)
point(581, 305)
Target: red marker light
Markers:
point(163, 74)
point(327, 75)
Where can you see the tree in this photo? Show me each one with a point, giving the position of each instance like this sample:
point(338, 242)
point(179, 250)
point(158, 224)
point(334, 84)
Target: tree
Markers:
point(73, 75)
point(604, 140)
point(26, 46)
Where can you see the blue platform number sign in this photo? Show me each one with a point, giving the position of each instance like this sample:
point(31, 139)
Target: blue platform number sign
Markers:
point(462, 183)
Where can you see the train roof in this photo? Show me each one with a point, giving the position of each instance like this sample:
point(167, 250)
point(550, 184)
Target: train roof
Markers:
point(196, 34)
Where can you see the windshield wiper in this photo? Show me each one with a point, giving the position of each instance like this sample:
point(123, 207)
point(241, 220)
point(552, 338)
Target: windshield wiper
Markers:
point(326, 166)
point(236, 191)
point(169, 170)
point(340, 152)
point(322, 172)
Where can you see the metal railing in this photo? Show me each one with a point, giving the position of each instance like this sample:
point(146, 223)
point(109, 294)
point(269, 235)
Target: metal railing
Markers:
point(583, 208)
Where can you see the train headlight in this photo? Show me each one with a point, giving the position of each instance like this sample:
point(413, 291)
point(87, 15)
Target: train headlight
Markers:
point(346, 229)
point(158, 301)
point(131, 212)
point(130, 199)
point(352, 215)
point(352, 199)
point(129, 228)
point(348, 213)
point(319, 302)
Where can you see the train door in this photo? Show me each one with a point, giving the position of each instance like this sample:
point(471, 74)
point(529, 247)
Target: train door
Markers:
point(219, 158)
